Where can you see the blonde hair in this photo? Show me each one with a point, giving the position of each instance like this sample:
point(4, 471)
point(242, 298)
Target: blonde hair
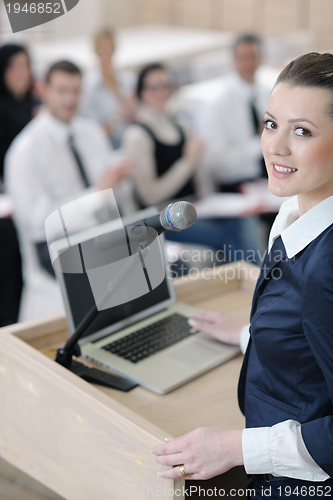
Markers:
point(105, 34)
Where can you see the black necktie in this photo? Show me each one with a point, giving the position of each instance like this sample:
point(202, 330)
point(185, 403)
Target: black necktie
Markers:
point(256, 122)
point(255, 119)
point(78, 162)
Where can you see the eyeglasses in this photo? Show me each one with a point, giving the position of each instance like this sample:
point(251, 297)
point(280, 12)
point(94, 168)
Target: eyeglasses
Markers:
point(156, 88)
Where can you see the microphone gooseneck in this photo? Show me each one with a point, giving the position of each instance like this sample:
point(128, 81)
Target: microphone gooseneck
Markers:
point(178, 216)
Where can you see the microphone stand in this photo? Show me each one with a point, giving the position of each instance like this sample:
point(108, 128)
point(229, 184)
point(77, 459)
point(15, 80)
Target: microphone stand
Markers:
point(65, 354)
point(180, 210)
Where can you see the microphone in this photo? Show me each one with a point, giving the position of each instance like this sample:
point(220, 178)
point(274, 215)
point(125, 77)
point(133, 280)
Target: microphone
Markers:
point(177, 216)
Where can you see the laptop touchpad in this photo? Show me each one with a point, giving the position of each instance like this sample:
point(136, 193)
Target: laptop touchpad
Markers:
point(195, 354)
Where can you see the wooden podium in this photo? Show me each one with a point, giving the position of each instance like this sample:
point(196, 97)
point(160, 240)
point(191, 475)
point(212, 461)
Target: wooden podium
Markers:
point(86, 442)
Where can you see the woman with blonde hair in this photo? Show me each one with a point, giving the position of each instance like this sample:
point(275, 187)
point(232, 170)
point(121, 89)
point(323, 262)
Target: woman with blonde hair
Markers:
point(106, 94)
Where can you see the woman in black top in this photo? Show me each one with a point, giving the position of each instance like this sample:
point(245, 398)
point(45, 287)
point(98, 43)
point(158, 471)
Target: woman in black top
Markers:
point(17, 107)
point(166, 155)
point(167, 166)
point(17, 104)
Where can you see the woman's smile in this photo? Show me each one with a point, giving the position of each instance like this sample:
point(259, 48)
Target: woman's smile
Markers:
point(281, 171)
point(297, 144)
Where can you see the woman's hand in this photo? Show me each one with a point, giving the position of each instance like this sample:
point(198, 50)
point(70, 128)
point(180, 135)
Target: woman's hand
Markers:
point(205, 452)
point(223, 327)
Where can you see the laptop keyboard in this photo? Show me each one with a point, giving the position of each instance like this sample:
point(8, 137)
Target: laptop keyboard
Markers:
point(151, 339)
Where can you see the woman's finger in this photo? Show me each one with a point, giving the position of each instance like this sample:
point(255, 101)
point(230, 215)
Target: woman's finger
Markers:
point(174, 473)
point(204, 326)
point(201, 321)
point(172, 460)
point(168, 448)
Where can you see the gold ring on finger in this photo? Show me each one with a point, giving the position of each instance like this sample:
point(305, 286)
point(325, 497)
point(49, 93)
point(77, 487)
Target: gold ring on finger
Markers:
point(183, 470)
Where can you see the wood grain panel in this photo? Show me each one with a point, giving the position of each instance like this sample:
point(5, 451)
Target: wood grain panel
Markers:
point(122, 13)
point(281, 17)
point(238, 15)
point(76, 438)
point(153, 12)
point(320, 21)
point(58, 426)
point(195, 13)
point(15, 485)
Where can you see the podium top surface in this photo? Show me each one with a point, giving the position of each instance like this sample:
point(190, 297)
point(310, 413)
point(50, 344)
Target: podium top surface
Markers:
point(50, 416)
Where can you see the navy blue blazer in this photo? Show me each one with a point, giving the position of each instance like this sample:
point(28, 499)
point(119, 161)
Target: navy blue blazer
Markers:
point(287, 371)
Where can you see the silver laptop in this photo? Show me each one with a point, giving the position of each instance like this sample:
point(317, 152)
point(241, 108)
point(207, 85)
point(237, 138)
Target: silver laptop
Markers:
point(146, 339)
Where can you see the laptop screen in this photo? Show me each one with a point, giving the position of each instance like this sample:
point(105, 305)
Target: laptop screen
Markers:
point(81, 300)
point(79, 296)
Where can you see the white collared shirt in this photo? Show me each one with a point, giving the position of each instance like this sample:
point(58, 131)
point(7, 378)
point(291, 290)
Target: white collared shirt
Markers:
point(280, 449)
point(298, 232)
point(233, 150)
point(41, 173)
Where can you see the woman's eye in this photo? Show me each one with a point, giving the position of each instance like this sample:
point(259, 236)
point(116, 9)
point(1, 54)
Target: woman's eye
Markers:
point(269, 125)
point(302, 132)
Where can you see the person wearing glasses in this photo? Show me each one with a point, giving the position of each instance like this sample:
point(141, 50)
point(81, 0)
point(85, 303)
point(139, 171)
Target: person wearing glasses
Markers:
point(167, 155)
point(167, 160)
point(58, 158)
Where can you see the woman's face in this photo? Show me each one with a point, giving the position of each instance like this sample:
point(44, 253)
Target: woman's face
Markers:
point(156, 89)
point(105, 50)
point(297, 144)
point(18, 75)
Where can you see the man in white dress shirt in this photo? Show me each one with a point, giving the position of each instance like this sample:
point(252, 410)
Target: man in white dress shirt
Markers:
point(231, 123)
point(57, 158)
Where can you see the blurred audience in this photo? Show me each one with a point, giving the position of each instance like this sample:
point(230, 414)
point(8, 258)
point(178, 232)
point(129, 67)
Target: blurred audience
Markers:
point(106, 95)
point(167, 165)
point(167, 156)
point(58, 157)
point(17, 107)
point(232, 123)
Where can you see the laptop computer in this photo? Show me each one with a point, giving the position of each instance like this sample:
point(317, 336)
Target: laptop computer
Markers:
point(146, 339)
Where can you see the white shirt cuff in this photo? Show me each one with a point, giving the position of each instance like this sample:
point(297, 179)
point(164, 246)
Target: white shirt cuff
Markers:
point(256, 450)
point(289, 454)
point(279, 450)
point(244, 338)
